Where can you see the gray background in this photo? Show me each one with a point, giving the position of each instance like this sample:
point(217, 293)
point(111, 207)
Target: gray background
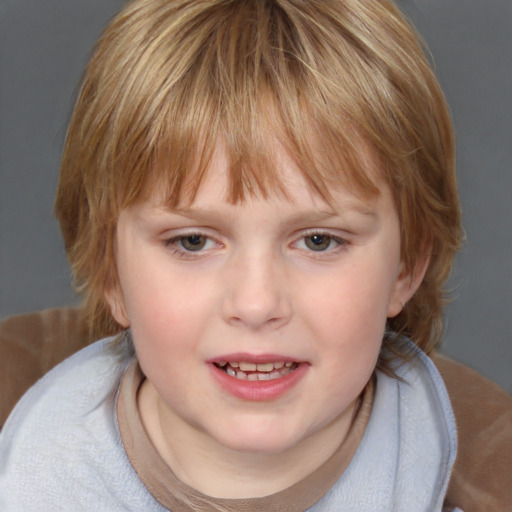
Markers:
point(44, 45)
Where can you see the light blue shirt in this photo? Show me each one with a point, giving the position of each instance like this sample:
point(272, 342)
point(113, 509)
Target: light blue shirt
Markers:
point(61, 449)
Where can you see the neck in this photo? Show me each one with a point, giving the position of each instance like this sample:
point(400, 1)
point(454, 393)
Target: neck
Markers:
point(221, 472)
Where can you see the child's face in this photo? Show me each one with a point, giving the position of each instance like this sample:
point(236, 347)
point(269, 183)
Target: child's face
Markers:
point(266, 281)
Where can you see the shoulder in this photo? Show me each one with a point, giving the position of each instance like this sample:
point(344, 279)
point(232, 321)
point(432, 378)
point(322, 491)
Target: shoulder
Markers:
point(78, 381)
point(481, 479)
point(33, 343)
point(66, 395)
point(61, 441)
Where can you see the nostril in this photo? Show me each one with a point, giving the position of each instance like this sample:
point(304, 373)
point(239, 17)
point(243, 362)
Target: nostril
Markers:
point(254, 302)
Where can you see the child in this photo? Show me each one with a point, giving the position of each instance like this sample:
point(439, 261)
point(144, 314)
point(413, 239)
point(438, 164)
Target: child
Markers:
point(259, 203)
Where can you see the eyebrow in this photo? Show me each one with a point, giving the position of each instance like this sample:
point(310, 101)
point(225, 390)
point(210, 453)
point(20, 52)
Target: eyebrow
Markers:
point(310, 216)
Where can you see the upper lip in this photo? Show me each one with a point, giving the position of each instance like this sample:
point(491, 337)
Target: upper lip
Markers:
point(254, 358)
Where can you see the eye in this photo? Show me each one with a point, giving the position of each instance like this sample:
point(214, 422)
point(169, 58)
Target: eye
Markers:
point(320, 242)
point(193, 242)
point(189, 243)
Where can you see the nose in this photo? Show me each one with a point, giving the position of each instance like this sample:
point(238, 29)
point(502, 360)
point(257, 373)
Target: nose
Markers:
point(257, 295)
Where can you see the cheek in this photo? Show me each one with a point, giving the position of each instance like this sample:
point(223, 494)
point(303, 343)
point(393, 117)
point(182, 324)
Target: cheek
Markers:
point(354, 298)
point(347, 320)
point(157, 289)
point(168, 310)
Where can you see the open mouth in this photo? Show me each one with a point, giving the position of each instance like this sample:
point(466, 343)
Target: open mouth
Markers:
point(256, 371)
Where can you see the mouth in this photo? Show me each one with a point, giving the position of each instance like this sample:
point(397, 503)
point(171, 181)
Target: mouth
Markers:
point(253, 372)
point(260, 378)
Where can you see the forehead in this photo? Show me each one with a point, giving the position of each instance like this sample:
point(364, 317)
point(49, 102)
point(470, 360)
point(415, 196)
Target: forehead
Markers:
point(279, 172)
point(212, 187)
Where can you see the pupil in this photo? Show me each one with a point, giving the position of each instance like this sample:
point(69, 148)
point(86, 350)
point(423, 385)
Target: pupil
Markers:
point(193, 242)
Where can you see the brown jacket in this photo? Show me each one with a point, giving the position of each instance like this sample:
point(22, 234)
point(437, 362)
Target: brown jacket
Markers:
point(481, 481)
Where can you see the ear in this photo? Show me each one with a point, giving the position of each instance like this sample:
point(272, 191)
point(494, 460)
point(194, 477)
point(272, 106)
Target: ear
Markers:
point(115, 300)
point(406, 284)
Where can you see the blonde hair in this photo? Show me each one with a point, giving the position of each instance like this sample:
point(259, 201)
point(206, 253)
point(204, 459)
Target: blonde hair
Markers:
point(339, 78)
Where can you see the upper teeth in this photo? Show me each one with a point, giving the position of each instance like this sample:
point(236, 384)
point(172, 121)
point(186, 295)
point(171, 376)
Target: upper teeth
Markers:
point(254, 367)
point(263, 371)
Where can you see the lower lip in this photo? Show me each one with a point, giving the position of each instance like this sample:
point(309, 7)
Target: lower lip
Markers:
point(259, 391)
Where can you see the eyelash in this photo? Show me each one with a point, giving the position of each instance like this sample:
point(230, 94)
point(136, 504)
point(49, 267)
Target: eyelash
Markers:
point(341, 243)
point(175, 244)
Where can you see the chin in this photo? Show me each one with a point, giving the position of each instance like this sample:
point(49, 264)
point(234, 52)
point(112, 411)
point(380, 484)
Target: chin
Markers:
point(259, 441)
point(260, 447)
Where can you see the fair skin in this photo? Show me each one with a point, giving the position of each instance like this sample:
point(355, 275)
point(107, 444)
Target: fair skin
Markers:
point(265, 281)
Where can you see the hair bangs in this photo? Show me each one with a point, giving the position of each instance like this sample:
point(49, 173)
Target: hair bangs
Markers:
point(271, 99)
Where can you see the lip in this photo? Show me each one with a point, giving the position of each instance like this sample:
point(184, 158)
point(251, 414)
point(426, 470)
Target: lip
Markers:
point(254, 358)
point(257, 391)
